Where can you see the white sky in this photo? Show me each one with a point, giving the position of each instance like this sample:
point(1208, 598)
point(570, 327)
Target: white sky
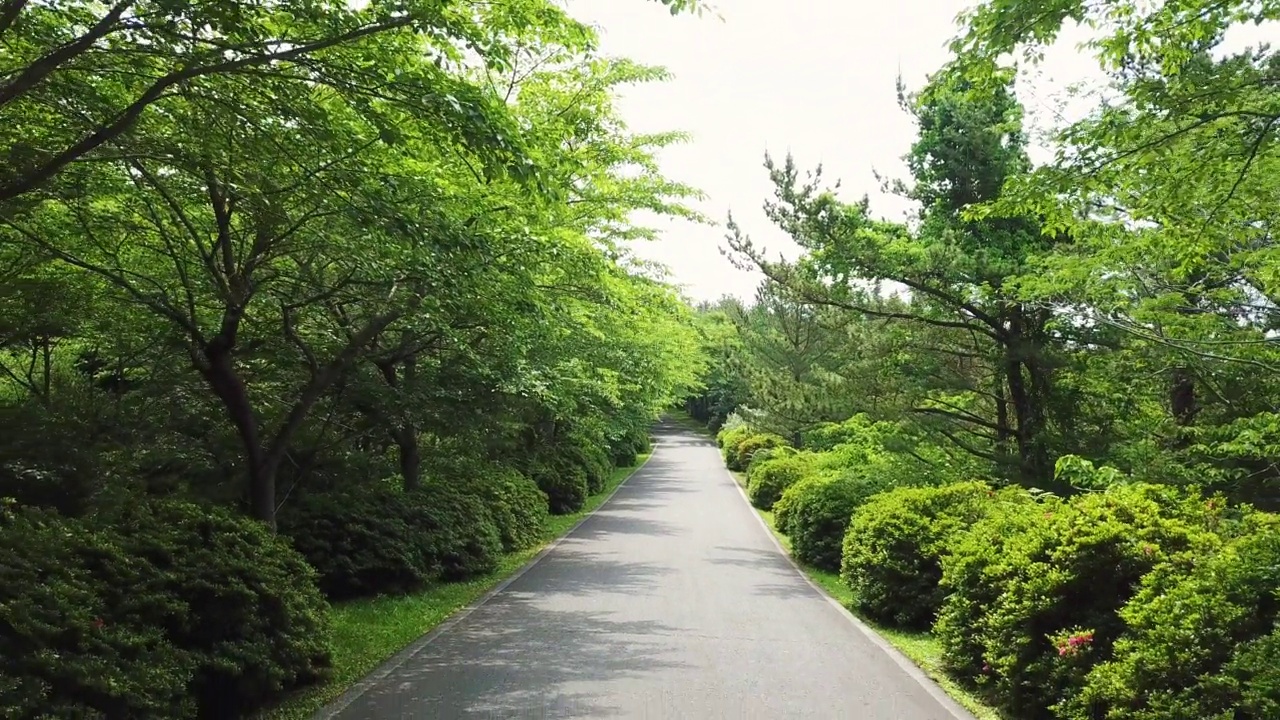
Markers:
point(814, 77)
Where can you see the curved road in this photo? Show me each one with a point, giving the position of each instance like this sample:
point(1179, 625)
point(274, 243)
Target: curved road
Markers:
point(671, 601)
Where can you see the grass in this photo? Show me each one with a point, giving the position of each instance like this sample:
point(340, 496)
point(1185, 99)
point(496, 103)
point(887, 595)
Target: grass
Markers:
point(366, 632)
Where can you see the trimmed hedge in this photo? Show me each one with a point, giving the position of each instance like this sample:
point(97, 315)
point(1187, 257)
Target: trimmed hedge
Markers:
point(360, 540)
point(463, 539)
point(740, 455)
point(564, 484)
point(1204, 644)
point(815, 511)
point(967, 579)
point(893, 548)
point(729, 437)
point(1061, 582)
point(769, 478)
point(519, 508)
point(252, 615)
point(72, 643)
point(625, 451)
point(164, 610)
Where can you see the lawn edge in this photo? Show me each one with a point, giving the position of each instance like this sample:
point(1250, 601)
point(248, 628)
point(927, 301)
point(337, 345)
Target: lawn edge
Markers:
point(407, 653)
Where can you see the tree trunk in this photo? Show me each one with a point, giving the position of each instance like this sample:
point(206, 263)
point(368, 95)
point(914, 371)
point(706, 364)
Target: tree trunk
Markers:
point(1028, 407)
point(403, 431)
point(410, 456)
point(1183, 403)
point(220, 373)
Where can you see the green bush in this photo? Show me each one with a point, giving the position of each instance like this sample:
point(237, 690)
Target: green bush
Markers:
point(740, 455)
point(768, 479)
point(518, 507)
point(729, 437)
point(1060, 584)
point(894, 544)
point(565, 486)
point(253, 616)
point(1197, 644)
point(74, 645)
point(595, 462)
point(967, 580)
point(768, 453)
point(161, 610)
point(625, 450)
point(815, 513)
point(464, 538)
point(359, 540)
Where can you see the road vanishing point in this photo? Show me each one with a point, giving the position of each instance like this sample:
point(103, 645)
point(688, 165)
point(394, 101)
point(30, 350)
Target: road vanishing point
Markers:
point(673, 600)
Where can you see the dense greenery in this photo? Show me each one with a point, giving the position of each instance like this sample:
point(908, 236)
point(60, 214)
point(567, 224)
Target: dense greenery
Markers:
point(315, 302)
point(1036, 417)
point(302, 298)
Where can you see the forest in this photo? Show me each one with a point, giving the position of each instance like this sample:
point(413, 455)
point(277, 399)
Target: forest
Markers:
point(1038, 420)
point(312, 308)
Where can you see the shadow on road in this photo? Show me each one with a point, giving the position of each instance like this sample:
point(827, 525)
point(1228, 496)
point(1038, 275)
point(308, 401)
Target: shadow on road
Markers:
point(773, 574)
point(522, 660)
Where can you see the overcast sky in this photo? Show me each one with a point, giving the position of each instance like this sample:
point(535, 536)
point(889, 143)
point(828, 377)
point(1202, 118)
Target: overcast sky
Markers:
point(813, 77)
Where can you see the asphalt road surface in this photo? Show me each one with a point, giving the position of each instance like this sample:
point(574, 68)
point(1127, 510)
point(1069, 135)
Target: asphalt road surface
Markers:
point(671, 601)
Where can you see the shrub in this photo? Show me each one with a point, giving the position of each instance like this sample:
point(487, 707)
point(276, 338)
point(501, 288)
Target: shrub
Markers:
point(740, 455)
point(518, 507)
point(1199, 644)
point(729, 437)
point(464, 540)
point(253, 616)
point(72, 644)
point(624, 450)
point(815, 513)
point(967, 580)
point(359, 540)
point(565, 486)
point(857, 430)
point(163, 610)
point(892, 549)
point(768, 453)
point(1061, 584)
point(768, 479)
point(595, 462)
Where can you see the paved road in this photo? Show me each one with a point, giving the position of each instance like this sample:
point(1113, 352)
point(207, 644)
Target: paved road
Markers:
point(672, 601)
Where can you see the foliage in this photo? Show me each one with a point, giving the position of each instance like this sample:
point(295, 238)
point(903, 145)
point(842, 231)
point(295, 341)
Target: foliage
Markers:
point(1068, 575)
point(564, 485)
point(165, 610)
point(74, 643)
point(253, 617)
point(742, 455)
point(770, 477)
point(893, 547)
point(460, 530)
point(1197, 643)
point(969, 581)
point(360, 540)
point(518, 507)
point(815, 513)
point(734, 431)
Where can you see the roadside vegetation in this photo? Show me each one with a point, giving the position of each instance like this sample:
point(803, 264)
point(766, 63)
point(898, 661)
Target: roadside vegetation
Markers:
point(1031, 432)
point(316, 320)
